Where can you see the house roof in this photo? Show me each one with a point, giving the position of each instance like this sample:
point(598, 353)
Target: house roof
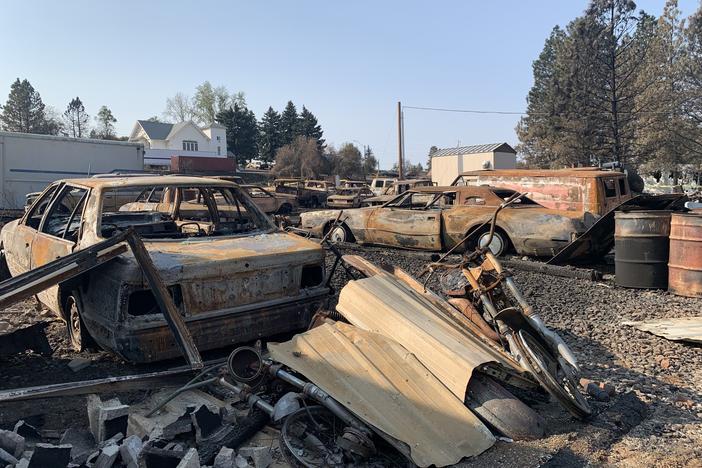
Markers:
point(156, 130)
point(458, 150)
point(175, 129)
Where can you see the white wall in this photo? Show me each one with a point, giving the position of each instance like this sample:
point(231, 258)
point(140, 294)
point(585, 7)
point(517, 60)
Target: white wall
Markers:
point(30, 162)
point(445, 169)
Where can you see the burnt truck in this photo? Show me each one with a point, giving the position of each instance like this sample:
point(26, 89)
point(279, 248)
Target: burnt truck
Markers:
point(233, 275)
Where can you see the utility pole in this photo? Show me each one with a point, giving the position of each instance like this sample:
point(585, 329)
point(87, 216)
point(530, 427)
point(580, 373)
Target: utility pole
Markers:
point(400, 145)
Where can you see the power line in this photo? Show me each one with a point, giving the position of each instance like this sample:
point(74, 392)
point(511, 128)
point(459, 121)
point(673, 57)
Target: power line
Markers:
point(464, 111)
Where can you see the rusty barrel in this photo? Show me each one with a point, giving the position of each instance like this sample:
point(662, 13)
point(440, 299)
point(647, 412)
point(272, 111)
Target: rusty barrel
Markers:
point(685, 264)
point(641, 249)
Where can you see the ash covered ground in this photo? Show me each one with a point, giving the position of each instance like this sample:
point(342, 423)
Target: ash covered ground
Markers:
point(655, 419)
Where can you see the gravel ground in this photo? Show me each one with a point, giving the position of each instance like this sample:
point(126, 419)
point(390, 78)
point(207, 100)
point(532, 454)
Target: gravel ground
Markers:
point(654, 420)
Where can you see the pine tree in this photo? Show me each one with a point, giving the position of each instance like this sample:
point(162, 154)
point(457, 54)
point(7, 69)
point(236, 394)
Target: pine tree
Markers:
point(269, 137)
point(310, 128)
point(432, 150)
point(24, 110)
point(242, 132)
point(76, 119)
point(105, 129)
point(289, 124)
point(370, 163)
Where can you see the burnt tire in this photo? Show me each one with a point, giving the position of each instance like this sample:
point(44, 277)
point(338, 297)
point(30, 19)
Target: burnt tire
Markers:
point(79, 338)
point(499, 408)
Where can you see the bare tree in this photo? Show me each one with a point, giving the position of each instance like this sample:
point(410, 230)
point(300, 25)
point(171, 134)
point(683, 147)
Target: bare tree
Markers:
point(179, 108)
point(300, 158)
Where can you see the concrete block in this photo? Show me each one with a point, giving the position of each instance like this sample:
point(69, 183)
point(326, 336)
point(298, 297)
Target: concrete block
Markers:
point(241, 462)
point(106, 418)
point(82, 441)
point(107, 457)
point(12, 443)
point(182, 425)
point(23, 463)
point(78, 364)
point(50, 456)
point(261, 456)
point(7, 458)
point(130, 450)
point(225, 458)
point(190, 460)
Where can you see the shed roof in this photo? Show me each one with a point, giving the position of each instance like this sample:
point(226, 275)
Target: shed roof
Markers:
point(474, 149)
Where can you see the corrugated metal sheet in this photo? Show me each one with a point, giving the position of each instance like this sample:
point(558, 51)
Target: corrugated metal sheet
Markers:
point(387, 387)
point(677, 329)
point(383, 304)
point(474, 149)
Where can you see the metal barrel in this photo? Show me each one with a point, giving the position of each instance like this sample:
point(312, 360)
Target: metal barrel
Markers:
point(685, 265)
point(641, 249)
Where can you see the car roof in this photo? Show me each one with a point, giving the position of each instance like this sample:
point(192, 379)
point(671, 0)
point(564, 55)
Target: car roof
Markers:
point(112, 182)
point(585, 172)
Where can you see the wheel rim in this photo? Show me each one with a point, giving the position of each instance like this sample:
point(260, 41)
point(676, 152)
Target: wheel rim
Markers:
point(74, 323)
point(551, 375)
point(338, 234)
point(497, 244)
point(324, 428)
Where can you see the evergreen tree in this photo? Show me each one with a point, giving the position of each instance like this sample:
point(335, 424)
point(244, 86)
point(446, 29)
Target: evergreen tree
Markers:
point(370, 163)
point(348, 162)
point(105, 129)
point(289, 124)
point(269, 136)
point(690, 133)
point(432, 150)
point(76, 119)
point(24, 110)
point(242, 132)
point(310, 128)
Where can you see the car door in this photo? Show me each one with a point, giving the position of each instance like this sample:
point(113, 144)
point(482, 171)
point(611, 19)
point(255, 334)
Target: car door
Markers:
point(19, 249)
point(406, 222)
point(58, 233)
point(263, 199)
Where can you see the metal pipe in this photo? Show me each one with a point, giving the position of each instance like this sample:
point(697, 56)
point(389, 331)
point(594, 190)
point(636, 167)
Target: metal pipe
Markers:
point(326, 400)
point(253, 400)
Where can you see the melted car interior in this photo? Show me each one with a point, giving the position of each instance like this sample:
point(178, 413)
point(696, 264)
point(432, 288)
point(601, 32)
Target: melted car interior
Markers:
point(174, 211)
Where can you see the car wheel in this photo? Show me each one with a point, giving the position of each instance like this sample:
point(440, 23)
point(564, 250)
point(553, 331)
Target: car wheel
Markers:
point(339, 234)
point(498, 245)
point(78, 337)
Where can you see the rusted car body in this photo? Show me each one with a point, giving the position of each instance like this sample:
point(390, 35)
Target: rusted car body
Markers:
point(349, 197)
point(233, 275)
point(437, 218)
point(271, 202)
point(398, 187)
point(583, 190)
point(309, 193)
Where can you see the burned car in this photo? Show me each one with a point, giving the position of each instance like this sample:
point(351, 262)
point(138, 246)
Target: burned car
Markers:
point(271, 202)
point(437, 218)
point(349, 197)
point(233, 275)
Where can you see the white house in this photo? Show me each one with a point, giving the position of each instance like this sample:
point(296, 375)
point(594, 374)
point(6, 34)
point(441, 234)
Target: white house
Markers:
point(163, 140)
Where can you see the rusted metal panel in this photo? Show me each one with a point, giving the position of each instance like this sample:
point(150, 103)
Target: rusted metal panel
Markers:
point(641, 249)
point(383, 384)
point(34, 281)
point(685, 264)
point(165, 302)
point(678, 329)
point(384, 304)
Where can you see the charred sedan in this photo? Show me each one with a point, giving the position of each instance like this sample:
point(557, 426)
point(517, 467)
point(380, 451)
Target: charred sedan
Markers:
point(437, 218)
point(233, 275)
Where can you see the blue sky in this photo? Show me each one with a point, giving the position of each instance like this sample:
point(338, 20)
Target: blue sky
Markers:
point(348, 62)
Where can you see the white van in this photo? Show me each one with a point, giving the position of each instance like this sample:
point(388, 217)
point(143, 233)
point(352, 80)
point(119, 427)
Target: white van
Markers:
point(379, 184)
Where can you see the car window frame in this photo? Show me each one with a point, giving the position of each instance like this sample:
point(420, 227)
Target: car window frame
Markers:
point(38, 201)
point(53, 204)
